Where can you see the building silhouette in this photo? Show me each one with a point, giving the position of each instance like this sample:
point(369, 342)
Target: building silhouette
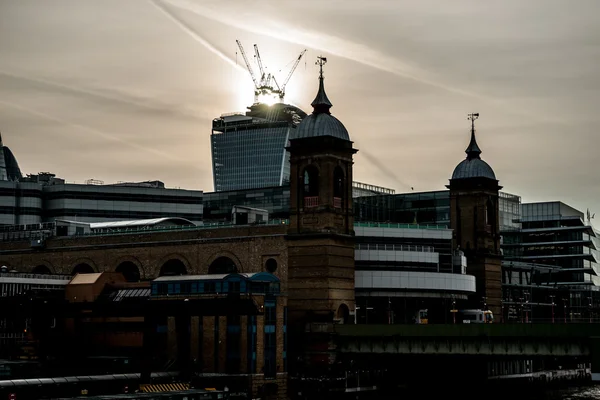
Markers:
point(248, 150)
point(474, 217)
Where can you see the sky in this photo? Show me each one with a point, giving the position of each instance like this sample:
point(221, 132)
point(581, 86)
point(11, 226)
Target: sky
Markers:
point(126, 90)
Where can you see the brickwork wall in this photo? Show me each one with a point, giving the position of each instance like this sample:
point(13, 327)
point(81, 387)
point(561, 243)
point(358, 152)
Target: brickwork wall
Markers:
point(479, 238)
point(248, 247)
point(320, 275)
point(208, 344)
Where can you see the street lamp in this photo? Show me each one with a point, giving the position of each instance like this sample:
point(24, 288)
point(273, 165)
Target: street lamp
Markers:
point(552, 299)
point(590, 308)
point(454, 310)
point(565, 309)
point(521, 306)
point(527, 307)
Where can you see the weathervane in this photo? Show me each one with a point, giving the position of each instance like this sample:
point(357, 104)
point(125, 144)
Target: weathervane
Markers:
point(472, 118)
point(320, 62)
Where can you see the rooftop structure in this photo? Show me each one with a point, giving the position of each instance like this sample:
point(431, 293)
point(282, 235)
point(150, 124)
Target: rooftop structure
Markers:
point(9, 168)
point(473, 166)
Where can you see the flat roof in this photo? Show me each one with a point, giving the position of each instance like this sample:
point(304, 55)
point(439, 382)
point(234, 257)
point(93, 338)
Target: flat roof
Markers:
point(140, 222)
point(84, 279)
point(212, 277)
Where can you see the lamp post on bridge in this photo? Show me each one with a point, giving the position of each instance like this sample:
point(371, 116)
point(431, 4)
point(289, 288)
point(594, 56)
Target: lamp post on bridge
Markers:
point(453, 310)
point(526, 307)
point(521, 307)
point(552, 299)
point(565, 309)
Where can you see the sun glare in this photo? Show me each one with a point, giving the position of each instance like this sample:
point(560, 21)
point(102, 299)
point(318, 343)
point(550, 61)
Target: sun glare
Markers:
point(268, 98)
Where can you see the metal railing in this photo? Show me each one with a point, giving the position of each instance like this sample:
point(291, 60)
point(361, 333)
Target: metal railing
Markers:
point(337, 202)
point(212, 225)
point(399, 226)
point(395, 247)
point(35, 276)
point(311, 201)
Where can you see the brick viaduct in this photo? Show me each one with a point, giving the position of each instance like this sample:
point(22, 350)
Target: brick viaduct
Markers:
point(151, 254)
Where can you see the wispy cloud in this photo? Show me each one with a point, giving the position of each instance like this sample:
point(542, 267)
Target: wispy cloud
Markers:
point(350, 50)
point(88, 129)
point(104, 94)
point(319, 41)
point(192, 33)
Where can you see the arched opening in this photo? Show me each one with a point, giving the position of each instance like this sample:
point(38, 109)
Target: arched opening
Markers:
point(41, 270)
point(82, 268)
point(271, 265)
point(223, 265)
point(130, 271)
point(310, 186)
point(343, 314)
point(338, 187)
point(490, 213)
point(173, 267)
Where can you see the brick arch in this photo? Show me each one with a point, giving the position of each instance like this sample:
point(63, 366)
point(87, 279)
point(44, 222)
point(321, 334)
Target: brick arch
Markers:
point(134, 260)
point(83, 260)
point(43, 263)
point(342, 313)
point(6, 264)
point(169, 257)
point(224, 253)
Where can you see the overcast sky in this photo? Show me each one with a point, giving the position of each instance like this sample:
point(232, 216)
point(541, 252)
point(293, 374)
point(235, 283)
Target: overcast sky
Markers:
point(122, 90)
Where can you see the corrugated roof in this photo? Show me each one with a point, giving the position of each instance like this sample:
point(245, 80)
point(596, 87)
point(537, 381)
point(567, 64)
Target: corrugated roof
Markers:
point(207, 277)
point(85, 279)
point(140, 222)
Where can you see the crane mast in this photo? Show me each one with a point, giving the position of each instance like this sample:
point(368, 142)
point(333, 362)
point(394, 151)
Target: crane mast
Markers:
point(267, 88)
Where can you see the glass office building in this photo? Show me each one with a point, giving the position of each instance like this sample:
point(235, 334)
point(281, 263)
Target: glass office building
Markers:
point(248, 150)
point(557, 237)
point(218, 205)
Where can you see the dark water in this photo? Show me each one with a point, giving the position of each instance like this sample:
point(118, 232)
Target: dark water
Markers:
point(466, 392)
point(583, 393)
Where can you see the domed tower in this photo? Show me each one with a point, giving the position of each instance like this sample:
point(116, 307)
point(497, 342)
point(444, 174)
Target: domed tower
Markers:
point(474, 218)
point(321, 231)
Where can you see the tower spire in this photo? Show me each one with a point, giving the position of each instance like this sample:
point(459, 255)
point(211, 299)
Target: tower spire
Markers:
point(321, 103)
point(473, 150)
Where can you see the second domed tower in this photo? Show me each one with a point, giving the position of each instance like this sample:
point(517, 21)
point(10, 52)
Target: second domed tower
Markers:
point(474, 218)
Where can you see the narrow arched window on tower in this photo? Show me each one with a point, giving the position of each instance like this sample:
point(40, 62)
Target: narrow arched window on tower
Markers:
point(490, 214)
point(310, 187)
point(338, 187)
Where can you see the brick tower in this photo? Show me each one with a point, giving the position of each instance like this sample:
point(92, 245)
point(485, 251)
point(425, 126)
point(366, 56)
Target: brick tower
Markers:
point(321, 231)
point(474, 218)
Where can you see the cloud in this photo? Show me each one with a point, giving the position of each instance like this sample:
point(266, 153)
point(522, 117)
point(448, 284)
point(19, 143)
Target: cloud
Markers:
point(95, 132)
point(350, 50)
point(193, 34)
point(106, 94)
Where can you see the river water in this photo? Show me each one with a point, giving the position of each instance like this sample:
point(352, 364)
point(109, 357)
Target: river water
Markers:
point(584, 393)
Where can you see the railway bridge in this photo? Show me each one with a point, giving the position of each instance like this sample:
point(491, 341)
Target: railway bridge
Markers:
point(568, 343)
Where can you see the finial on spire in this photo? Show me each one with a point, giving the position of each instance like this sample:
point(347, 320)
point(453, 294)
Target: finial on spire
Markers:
point(321, 103)
point(473, 151)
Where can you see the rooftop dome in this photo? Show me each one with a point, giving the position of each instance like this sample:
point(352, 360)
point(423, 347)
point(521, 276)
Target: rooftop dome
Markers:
point(473, 166)
point(321, 122)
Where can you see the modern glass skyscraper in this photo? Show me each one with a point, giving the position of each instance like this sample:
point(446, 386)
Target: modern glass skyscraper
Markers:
point(248, 150)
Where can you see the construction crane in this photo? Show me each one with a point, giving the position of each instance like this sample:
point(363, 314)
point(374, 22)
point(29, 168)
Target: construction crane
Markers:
point(259, 61)
point(287, 79)
point(247, 63)
point(267, 89)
